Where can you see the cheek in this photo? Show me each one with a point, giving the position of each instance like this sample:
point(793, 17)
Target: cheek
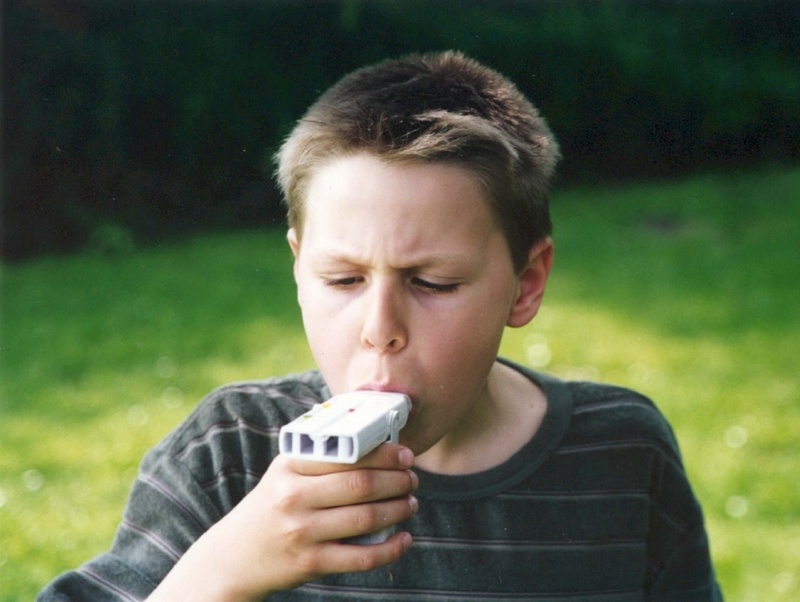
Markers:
point(463, 348)
point(475, 324)
point(329, 334)
point(329, 355)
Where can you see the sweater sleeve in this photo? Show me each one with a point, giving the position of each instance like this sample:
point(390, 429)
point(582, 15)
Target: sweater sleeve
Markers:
point(187, 483)
point(167, 512)
point(679, 560)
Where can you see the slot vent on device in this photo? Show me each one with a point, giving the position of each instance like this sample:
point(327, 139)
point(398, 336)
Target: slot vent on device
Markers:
point(338, 447)
point(286, 441)
point(331, 447)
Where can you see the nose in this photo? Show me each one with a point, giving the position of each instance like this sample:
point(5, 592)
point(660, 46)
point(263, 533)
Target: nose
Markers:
point(384, 328)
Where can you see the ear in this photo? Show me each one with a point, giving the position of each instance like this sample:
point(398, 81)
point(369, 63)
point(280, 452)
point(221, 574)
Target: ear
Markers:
point(531, 284)
point(294, 245)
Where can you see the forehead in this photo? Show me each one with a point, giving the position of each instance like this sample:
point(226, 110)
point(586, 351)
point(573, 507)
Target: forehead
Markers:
point(401, 207)
point(367, 175)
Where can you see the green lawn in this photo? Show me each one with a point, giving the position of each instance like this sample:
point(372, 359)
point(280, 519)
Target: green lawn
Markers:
point(685, 290)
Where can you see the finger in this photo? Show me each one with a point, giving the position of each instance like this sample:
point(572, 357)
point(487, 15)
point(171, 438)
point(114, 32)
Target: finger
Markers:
point(357, 487)
point(388, 456)
point(361, 519)
point(347, 558)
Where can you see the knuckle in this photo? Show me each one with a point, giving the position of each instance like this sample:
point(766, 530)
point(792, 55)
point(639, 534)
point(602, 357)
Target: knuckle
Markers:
point(368, 561)
point(311, 563)
point(366, 518)
point(287, 499)
point(361, 483)
point(287, 494)
point(294, 532)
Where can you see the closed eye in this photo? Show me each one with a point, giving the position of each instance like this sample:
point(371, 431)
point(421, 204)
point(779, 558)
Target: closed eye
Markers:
point(342, 282)
point(434, 287)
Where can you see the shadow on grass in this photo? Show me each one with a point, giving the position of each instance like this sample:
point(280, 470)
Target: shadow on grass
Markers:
point(715, 255)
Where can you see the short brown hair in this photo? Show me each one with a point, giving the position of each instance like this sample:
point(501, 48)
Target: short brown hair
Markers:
point(440, 107)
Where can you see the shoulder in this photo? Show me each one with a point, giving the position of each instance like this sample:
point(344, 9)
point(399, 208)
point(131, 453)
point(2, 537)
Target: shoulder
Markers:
point(624, 411)
point(261, 401)
point(240, 420)
point(609, 415)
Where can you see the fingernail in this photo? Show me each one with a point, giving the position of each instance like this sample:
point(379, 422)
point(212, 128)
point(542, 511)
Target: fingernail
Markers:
point(414, 503)
point(406, 458)
point(406, 541)
point(414, 480)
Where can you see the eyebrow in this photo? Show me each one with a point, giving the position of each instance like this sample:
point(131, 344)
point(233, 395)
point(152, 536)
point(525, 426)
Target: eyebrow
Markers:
point(343, 256)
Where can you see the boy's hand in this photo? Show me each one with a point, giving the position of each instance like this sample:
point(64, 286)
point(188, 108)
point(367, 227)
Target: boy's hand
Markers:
point(288, 530)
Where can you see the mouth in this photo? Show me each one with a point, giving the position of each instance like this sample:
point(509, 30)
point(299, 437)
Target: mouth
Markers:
point(392, 388)
point(384, 388)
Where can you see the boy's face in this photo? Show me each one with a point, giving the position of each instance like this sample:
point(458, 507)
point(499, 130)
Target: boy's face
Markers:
point(405, 283)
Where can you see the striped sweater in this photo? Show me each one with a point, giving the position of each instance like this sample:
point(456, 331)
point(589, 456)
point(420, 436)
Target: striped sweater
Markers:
point(596, 507)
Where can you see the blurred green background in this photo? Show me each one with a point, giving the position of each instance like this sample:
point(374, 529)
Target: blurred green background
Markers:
point(144, 261)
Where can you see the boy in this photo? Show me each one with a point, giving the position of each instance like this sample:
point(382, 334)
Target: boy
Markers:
point(420, 229)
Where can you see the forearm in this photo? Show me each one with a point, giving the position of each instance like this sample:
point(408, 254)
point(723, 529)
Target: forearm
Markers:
point(204, 574)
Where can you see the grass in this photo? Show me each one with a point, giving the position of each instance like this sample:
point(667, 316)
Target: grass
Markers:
point(685, 290)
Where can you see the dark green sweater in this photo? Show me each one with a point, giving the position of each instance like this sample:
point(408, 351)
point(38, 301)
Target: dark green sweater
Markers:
point(595, 507)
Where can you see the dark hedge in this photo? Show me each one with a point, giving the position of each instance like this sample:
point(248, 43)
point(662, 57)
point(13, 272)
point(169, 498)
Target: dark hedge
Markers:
point(128, 122)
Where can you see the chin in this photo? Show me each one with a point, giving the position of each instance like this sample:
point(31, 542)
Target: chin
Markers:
point(417, 445)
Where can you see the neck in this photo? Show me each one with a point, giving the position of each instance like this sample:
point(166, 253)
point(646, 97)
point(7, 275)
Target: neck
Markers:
point(499, 423)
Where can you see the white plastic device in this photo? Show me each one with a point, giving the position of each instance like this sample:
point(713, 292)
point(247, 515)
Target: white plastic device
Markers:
point(344, 429)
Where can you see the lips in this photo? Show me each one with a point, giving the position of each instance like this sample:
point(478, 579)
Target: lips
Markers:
point(387, 388)
point(391, 388)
